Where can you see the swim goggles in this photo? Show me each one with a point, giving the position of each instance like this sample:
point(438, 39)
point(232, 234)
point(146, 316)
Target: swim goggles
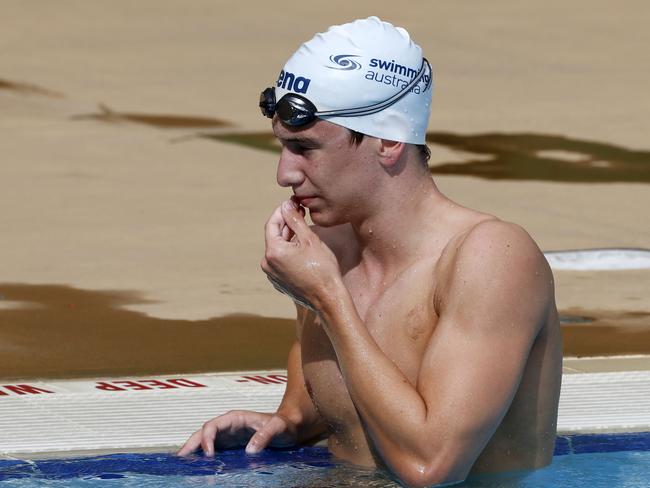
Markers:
point(295, 110)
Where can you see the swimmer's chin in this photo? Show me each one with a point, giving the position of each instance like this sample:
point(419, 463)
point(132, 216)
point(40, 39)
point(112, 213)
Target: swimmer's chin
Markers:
point(322, 218)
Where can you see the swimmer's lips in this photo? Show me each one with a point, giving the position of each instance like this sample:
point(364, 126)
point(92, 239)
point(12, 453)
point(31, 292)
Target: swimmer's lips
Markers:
point(305, 201)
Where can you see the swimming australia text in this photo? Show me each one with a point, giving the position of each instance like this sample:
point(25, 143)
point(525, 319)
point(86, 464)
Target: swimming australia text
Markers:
point(290, 82)
point(393, 67)
point(398, 75)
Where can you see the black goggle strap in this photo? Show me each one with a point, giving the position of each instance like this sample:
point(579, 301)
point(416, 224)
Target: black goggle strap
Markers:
point(378, 107)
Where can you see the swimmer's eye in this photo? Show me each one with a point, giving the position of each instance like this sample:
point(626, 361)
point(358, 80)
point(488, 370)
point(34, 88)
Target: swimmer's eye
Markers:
point(300, 147)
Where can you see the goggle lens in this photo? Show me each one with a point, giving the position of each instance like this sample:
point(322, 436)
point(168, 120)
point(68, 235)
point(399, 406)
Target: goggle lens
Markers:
point(292, 109)
point(267, 102)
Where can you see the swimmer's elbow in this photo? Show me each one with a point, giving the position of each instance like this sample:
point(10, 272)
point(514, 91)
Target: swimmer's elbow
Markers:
point(418, 473)
point(423, 480)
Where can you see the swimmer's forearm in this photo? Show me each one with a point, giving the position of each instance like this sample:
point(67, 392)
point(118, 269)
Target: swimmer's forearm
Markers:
point(392, 410)
point(296, 403)
point(379, 389)
point(300, 411)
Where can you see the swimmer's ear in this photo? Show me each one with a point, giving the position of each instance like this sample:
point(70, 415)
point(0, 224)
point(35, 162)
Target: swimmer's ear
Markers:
point(390, 152)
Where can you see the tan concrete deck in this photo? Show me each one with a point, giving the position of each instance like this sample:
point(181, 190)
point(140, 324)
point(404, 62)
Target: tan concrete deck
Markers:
point(129, 240)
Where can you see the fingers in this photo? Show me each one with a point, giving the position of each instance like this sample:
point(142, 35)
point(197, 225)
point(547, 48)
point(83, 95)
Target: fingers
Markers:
point(191, 445)
point(261, 439)
point(300, 208)
point(287, 233)
point(293, 216)
point(277, 225)
point(205, 437)
point(239, 425)
point(274, 226)
point(231, 430)
point(208, 436)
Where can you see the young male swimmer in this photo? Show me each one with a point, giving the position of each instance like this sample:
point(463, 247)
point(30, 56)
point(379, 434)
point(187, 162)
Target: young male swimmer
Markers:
point(428, 340)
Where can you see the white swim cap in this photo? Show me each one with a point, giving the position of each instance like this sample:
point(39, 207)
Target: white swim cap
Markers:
point(358, 64)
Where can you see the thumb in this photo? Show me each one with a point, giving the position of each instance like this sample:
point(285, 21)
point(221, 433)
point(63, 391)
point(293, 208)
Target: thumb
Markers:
point(263, 436)
point(294, 219)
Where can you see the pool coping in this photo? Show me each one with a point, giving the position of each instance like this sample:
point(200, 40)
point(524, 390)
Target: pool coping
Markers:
point(55, 418)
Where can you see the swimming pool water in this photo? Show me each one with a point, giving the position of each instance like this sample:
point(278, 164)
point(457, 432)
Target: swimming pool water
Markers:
point(621, 460)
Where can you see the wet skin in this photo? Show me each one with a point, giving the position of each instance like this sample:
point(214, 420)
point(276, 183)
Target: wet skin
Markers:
point(435, 349)
point(401, 316)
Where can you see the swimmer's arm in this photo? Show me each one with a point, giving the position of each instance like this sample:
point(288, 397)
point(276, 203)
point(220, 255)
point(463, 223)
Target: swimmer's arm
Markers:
point(433, 432)
point(295, 422)
point(296, 406)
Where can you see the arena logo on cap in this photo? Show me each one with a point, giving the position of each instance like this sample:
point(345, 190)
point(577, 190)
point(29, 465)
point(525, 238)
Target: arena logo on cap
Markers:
point(343, 62)
point(291, 82)
point(396, 72)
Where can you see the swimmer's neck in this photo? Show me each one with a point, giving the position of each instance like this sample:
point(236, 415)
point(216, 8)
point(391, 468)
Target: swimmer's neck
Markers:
point(396, 230)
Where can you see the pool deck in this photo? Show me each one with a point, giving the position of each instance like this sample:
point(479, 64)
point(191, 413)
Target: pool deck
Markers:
point(68, 417)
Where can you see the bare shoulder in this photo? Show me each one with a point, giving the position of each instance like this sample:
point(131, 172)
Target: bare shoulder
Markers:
point(499, 240)
point(493, 242)
point(494, 260)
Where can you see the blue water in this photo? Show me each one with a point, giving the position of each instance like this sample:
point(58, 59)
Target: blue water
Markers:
point(621, 460)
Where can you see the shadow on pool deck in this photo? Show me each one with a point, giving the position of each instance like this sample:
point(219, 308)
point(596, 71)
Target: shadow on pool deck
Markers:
point(56, 331)
point(516, 156)
point(27, 88)
point(160, 121)
point(493, 155)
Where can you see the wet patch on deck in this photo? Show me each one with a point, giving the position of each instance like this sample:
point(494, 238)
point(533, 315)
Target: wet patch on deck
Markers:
point(160, 121)
point(56, 331)
point(575, 319)
point(59, 331)
point(28, 88)
point(588, 333)
point(516, 156)
point(542, 157)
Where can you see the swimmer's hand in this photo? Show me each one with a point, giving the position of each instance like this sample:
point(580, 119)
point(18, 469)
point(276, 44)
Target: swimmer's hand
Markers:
point(287, 233)
point(239, 428)
point(298, 263)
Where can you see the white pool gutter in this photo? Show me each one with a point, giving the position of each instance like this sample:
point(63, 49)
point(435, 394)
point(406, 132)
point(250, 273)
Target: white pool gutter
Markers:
point(144, 413)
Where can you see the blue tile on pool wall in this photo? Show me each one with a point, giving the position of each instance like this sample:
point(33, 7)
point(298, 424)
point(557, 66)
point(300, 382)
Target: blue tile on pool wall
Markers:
point(115, 466)
point(562, 446)
point(638, 441)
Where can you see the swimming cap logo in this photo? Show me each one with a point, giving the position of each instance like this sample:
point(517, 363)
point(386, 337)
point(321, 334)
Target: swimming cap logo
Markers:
point(343, 62)
point(291, 82)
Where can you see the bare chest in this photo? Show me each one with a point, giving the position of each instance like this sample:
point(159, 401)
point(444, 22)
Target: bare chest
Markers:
point(401, 319)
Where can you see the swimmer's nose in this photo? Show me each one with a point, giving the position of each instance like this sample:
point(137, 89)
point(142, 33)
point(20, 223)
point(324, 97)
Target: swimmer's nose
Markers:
point(289, 172)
